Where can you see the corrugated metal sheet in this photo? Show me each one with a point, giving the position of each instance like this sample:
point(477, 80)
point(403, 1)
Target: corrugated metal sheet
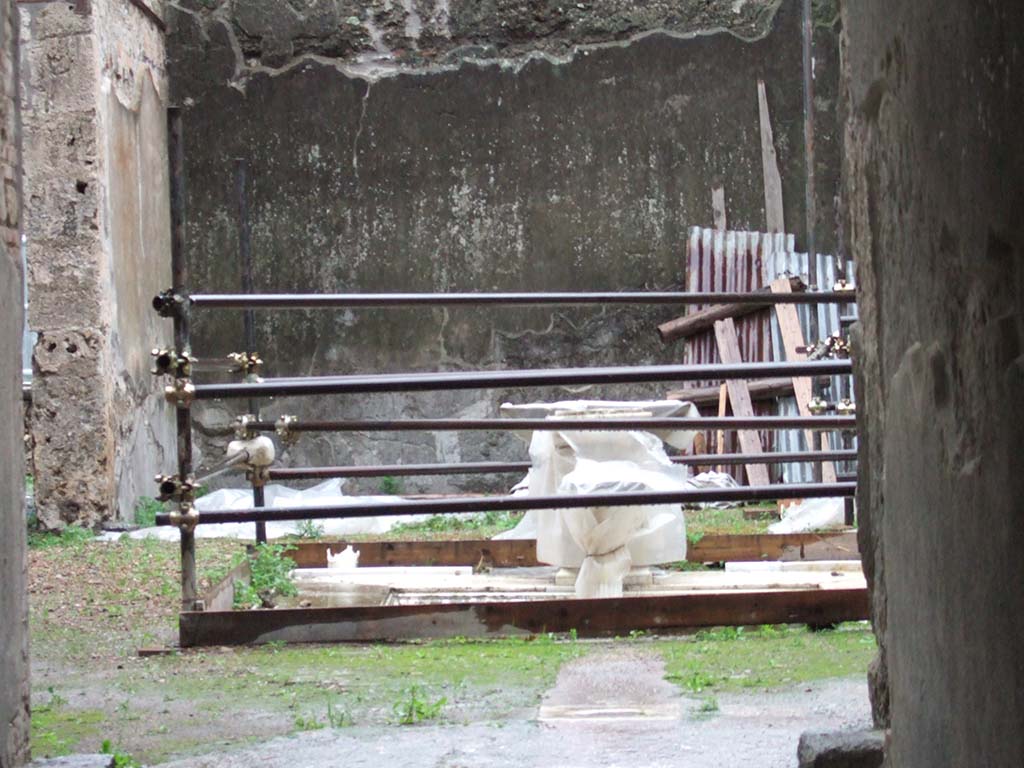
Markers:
point(746, 261)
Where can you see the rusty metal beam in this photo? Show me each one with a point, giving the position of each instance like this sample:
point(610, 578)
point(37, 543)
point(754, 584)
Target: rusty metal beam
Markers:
point(588, 618)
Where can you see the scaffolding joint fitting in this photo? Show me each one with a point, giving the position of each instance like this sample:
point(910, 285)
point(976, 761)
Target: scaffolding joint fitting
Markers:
point(818, 406)
point(243, 426)
point(246, 363)
point(168, 362)
point(175, 488)
point(846, 407)
point(843, 285)
point(257, 476)
point(182, 392)
point(170, 303)
point(284, 427)
point(185, 517)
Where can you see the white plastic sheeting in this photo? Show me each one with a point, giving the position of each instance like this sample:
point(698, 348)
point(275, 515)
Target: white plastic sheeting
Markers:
point(810, 515)
point(328, 493)
point(605, 542)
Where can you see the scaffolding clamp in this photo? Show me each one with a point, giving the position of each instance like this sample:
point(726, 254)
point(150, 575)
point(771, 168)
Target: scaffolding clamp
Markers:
point(168, 362)
point(175, 488)
point(817, 406)
point(243, 426)
point(835, 346)
point(182, 392)
point(185, 517)
point(843, 285)
point(169, 303)
point(257, 476)
point(284, 429)
point(846, 407)
point(247, 363)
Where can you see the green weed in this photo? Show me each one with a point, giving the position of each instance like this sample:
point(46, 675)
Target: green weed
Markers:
point(270, 577)
point(390, 486)
point(413, 708)
point(309, 529)
point(146, 510)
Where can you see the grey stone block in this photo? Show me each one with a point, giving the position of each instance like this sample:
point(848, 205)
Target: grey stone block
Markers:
point(845, 749)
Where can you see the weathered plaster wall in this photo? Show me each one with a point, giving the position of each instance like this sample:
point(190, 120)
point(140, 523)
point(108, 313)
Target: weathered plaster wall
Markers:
point(933, 167)
point(97, 225)
point(468, 146)
point(14, 670)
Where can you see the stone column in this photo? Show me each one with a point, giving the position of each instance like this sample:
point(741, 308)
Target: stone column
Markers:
point(98, 249)
point(14, 691)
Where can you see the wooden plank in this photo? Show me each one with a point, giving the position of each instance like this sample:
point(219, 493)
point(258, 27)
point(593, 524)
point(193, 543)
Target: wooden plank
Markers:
point(739, 396)
point(761, 389)
point(221, 596)
point(723, 405)
point(691, 324)
point(718, 208)
point(512, 553)
point(803, 389)
point(589, 618)
point(789, 546)
point(773, 210)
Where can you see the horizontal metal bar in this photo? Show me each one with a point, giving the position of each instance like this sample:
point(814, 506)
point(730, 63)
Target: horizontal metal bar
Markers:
point(559, 424)
point(353, 300)
point(524, 503)
point(427, 382)
point(501, 467)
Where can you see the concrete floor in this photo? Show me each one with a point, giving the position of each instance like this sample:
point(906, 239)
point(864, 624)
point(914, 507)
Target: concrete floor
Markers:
point(607, 709)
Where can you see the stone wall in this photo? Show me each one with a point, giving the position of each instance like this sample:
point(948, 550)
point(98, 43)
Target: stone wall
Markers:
point(934, 96)
point(98, 248)
point(459, 145)
point(14, 669)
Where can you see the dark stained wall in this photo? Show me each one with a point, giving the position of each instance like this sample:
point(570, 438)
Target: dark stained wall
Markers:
point(545, 150)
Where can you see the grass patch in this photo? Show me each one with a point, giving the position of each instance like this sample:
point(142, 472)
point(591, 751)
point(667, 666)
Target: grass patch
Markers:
point(732, 658)
point(146, 510)
point(703, 522)
point(72, 537)
point(57, 730)
point(484, 525)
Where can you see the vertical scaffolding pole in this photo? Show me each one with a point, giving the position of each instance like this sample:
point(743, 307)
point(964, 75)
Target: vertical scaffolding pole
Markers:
point(182, 346)
point(810, 206)
point(249, 318)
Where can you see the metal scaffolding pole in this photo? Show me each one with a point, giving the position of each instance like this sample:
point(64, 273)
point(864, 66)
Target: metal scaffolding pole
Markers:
point(427, 382)
point(525, 503)
point(381, 300)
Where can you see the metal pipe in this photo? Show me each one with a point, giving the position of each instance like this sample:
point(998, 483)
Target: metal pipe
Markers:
point(249, 317)
point(231, 462)
point(182, 340)
point(524, 503)
point(354, 300)
point(502, 467)
point(557, 425)
point(422, 382)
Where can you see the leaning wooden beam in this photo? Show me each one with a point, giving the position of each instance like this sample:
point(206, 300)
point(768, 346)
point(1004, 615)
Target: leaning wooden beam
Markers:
point(793, 340)
point(739, 397)
point(704, 320)
point(760, 389)
point(588, 618)
point(522, 553)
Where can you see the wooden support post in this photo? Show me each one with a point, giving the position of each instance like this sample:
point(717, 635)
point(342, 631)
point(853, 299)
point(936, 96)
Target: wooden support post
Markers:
point(803, 389)
point(739, 395)
point(773, 210)
point(718, 207)
point(723, 404)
